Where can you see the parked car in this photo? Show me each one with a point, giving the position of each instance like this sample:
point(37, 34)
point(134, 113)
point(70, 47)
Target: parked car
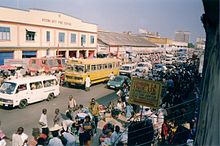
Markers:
point(146, 65)
point(140, 72)
point(160, 67)
point(118, 82)
point(170, 67)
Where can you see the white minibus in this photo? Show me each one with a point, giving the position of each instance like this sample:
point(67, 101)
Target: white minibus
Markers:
point(127, 69)
point(23, 91)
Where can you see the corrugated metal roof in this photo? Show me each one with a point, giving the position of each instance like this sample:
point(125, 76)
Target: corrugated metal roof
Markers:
point(123, 39)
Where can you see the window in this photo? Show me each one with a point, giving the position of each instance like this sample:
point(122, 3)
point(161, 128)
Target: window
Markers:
point(36, 85)
point(99, 66)
point(83, 39)
point(73, 38)
point(93, 67)
point(88, 68)
point(62, 37)
point(105, 66)
point(109, 65)
point(48, 36)
point(30, 35)
point(49, 83)
point(5, 33)
point(22, 87)
point(92, 40)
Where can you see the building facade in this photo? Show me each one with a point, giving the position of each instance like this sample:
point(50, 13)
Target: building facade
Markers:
point(182, 36)
point(40, 33)
point(200, 43)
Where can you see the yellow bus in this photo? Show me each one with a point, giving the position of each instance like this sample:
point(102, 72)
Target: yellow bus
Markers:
point(99, 70)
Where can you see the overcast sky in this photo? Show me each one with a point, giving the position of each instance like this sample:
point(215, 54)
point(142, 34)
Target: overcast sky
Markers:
point(163, 16)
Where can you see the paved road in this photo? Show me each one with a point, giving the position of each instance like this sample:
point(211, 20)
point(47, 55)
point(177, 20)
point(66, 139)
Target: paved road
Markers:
point(29, 117)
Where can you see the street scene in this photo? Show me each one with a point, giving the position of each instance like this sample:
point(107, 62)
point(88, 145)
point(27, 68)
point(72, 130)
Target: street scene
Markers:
point(69, 80)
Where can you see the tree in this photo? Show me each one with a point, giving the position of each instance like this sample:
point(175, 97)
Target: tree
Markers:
point(191, 45)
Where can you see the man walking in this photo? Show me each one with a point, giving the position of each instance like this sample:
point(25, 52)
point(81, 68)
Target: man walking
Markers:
point(88, 83)
point(94, 109)
point(43, 122)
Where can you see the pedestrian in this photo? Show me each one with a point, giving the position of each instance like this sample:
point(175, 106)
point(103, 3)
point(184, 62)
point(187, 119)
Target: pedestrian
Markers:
point(94, 109)
point(33, 140)
point(55, 140)
point(3, 137)
point(43, 122)
point(88, 83)
point(19, 138)
point(72, 106)
point(115, 137)
point(111, 76)
point(87, 127)
point(71, 140)
point(57, 120)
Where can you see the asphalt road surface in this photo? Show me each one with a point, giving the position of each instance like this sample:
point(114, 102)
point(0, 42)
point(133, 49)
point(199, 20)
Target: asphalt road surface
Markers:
point(29, 116)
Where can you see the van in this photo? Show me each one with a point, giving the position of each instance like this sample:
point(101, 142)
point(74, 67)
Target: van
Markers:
point(23, 91)
point(127, 69)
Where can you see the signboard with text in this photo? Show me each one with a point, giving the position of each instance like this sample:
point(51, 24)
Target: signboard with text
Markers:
point(145, 92)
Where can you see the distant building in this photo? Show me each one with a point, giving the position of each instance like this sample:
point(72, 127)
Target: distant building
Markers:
point(39, 33)
point(179, 44)
point(120, 43)
point(200, 43)
point(161, 42)
point(182, 36)
point(149, 33)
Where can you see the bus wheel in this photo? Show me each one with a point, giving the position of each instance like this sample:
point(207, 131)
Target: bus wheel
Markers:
point(23, 103)
point(50, 97)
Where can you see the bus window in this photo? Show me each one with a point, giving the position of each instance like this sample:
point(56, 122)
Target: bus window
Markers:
point(105, 66)
point(109, 65)
point(88, 68)
point(99, 66)
point(113, 65)
point(93, 67)
point(79, 68)
point(36, 85)
point(22, 87)
point(59, 61)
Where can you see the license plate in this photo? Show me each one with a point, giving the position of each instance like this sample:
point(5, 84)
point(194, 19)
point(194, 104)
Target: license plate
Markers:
point(112, 86)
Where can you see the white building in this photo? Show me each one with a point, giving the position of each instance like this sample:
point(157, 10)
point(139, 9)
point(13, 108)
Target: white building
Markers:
point(39, 33)
point(200, 43)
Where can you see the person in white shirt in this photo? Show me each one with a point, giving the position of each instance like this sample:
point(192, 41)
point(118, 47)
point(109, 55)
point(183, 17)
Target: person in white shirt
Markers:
point(43, 122)
point(115, 137)
point(111, 76)
point(71, 140)
point(19, 138)
point(55, 141)
point(72, 103)
point(88, 83)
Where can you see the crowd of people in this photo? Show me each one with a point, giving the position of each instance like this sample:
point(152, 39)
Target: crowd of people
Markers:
point(173, 123)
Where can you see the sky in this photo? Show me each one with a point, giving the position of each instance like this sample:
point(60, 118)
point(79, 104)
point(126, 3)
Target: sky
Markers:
point(163, 16)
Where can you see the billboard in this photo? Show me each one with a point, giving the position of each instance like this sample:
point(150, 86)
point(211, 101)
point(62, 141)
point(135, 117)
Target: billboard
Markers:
point(145, 92)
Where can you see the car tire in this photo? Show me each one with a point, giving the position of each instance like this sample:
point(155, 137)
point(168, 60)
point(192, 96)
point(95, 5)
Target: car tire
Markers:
point(23, 103)
point(50, 97)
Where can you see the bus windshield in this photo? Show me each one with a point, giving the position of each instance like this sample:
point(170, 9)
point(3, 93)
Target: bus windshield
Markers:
point(7, 87)
point(76, 68)
point(52, 62)
point(125, 68)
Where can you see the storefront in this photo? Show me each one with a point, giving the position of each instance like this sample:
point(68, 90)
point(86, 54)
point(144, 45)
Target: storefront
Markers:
point(6, 55)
